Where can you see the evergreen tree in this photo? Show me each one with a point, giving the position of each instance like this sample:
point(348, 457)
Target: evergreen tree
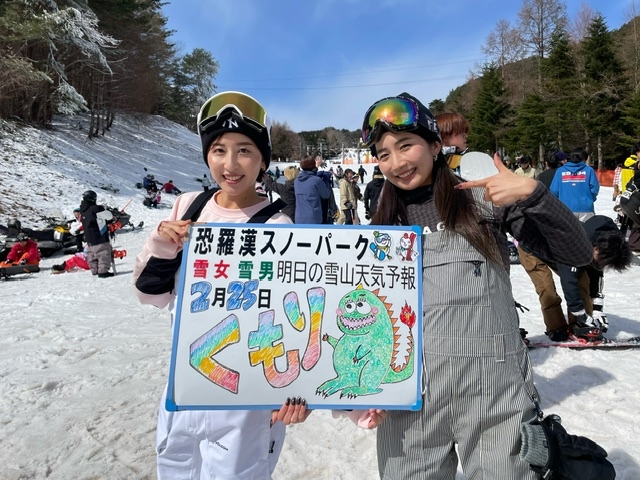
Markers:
point(630, 123)
point(603, 90)
point(284, 141)
point(489, 112)
point(142, 63)
point(437, 106)
point(560, 92)
point(192, 85)
point(41, 44)
point(530, 130)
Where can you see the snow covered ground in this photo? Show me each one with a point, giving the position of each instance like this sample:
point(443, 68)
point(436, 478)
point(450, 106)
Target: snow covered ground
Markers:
point(82, 364)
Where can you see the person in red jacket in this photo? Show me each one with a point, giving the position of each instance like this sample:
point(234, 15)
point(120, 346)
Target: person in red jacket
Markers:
point(169, 187)
point(24, 252)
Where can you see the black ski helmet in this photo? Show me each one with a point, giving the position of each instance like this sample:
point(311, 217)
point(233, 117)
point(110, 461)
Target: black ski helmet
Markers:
point(90, 196)
point(14, 223)
point(234, 112)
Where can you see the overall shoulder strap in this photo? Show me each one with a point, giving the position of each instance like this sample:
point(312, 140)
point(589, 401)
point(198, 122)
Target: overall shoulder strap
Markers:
point(193, 212)
point(267, 212)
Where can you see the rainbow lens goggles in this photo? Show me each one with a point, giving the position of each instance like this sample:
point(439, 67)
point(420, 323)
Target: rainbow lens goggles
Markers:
point(226, 104)
point(396, 113)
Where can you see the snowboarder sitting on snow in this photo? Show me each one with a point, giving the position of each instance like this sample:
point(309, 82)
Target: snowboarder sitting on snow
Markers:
point(77, 261)
point(96, 234)
point(151, 199)
point(24, 252)
point(149, 182)
point(169, 187)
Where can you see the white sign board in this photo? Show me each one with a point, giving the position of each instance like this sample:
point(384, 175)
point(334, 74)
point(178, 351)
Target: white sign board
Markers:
point(329, 313)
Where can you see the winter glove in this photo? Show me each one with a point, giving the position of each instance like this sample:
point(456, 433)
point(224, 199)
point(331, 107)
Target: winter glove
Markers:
point(600, 318)
point(583, 319)
point(551, 451)
point(23, 262)
point(348, 205)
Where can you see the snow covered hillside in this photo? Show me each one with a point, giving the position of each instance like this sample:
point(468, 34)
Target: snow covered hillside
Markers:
point(83, 364)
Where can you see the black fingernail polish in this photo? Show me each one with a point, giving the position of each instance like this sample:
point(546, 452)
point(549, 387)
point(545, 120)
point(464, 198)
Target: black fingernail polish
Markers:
point(288, 401)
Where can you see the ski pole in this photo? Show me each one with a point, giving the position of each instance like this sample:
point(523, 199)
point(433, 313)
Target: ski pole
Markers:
point(123, 208)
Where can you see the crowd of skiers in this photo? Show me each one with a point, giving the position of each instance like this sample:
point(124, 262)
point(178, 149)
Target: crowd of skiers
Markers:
point(93, 242)
point(307, 191)
point(154, 188)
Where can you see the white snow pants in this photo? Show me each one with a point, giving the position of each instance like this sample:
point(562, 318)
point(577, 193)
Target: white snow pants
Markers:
point(217, 444)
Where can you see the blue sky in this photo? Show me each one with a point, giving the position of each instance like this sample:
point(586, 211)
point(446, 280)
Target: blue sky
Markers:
point(320, 63)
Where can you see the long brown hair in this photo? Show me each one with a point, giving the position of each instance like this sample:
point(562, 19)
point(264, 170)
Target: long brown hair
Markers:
point(458, 210)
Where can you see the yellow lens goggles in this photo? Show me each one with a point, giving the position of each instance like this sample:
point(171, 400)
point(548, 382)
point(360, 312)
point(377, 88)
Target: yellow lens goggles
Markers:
point(246, 106)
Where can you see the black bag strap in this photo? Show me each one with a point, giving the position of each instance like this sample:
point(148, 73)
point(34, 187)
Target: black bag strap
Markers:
point(267, 212)
point(158, 276)
point(194, 210)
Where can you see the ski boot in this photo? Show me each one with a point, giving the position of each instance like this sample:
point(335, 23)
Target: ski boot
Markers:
point(558, 335)
point(59, 268)
point(585, 328)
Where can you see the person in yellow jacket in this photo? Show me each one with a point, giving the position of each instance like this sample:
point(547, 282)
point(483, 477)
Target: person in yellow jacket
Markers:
point(526, 168)
point(628, 169)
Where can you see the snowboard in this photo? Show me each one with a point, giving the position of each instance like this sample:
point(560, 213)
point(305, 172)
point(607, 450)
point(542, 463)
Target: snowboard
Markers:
point(476, 166)
point(606, 343)
point(6, 272)
point(630, 204)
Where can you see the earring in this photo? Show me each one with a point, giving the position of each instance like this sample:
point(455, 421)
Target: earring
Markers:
point(435, 157)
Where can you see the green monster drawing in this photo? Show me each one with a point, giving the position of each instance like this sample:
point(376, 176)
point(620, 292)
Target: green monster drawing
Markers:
point(374, 349)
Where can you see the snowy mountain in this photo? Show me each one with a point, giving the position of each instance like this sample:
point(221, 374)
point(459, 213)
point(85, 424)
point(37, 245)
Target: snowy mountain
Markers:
point(83, 364)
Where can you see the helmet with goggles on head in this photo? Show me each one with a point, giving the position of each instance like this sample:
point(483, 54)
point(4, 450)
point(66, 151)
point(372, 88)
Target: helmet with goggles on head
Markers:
point(90, 196)
point(234, 112)
point(403, 113)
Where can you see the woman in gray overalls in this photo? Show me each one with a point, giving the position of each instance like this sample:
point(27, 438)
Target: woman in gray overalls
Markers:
point(478, 385)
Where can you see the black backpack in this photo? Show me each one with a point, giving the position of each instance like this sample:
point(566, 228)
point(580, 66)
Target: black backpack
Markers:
point(158, 276)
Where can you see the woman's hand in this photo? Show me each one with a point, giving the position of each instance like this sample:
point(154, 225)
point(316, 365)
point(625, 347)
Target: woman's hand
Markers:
point(372, 418)
point(294, 410)
point(174, 231)
point(504, 188)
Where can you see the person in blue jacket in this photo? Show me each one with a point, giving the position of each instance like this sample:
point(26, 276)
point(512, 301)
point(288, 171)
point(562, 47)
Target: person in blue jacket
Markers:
point(576, 185)
point(310, 191)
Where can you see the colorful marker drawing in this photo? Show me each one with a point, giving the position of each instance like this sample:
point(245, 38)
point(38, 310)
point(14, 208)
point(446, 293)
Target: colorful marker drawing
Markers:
point(381, 245)
point(375, 348)
point(406, 247)
point(202, 351)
